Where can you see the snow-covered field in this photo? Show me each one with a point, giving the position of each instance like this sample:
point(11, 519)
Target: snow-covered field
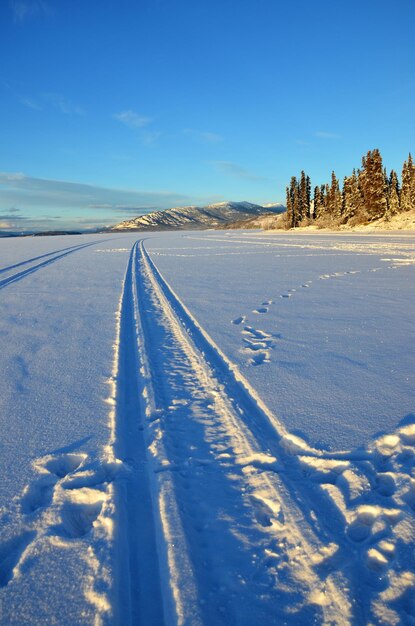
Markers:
point(207, 428)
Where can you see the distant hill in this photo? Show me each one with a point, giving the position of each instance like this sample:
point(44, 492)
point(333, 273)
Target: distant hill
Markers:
point(265, 220)
point(194, 217)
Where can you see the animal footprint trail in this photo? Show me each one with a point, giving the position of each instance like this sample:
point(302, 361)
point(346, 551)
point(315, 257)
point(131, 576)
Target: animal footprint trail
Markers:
point(39, 493)
point(79, 512)
point(254, 342)
point(11, 553)
point(374, 492)
point(65, 500)
point(258, 344)
point(263, 308)
point(339, 274)
point(239, 320)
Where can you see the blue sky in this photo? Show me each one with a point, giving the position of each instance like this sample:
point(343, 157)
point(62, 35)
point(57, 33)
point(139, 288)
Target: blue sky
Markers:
point(111, 108)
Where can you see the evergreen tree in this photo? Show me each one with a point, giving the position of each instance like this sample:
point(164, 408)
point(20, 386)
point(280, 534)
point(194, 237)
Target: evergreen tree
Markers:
point(334, 198)
point(308, 186)
point(296, 204)
point(304, 197)
point(392, 195)
point(293, 203)
point(323, 196)
point(317, 202)
point(408, 185)
point(289, 206)
point(357, 195)
point(347, 199)
point(368, 194)
point(373, 185)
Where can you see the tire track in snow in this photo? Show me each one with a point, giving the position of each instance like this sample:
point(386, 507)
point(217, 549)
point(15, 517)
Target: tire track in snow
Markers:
point(139, 599)
point(247, 548)
point(34, 268)
point(36, 258)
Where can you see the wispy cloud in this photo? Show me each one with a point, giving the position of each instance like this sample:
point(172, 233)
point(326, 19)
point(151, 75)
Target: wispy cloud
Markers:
point(237, 171)
point(203, 136)
point(38, 194)
point(23, 9)
point(62, 104)
point(150, 137)
point(51, 100)
point(301, 142)
point(133, 119)
point(323, 134)
point(13, 217)
point(13, 220)
point(30, 103)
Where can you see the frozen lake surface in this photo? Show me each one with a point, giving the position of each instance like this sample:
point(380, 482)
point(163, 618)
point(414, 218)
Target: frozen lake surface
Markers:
point(207, 428)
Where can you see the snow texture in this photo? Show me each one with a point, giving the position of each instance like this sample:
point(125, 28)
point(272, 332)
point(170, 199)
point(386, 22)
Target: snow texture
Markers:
point(207, 428)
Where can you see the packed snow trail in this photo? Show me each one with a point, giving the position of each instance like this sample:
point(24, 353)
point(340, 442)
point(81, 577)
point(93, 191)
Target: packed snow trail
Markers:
point(235, 543)
point(138, 588)
point(40, 256)
point(54, 256)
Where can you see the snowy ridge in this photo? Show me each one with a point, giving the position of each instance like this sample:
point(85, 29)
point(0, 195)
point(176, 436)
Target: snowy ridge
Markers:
point(193, 217)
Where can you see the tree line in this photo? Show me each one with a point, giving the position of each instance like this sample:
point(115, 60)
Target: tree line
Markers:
point(368, 194)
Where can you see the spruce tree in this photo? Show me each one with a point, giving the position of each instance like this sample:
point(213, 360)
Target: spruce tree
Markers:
point(347, 199)
point(356, 195)
point(411, 167)
point(289, 206)
point(302, 200)
point(323, 197)
point(373, 185)
point(308, 187)
point(293, 203)
point(408, 185)
point(317, 202)
point(296, 204)
point(393, 200)
point(334, 199)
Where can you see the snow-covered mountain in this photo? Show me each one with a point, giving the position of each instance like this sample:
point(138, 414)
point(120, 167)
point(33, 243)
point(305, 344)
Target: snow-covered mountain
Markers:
point(274, 207)
point(194, 217)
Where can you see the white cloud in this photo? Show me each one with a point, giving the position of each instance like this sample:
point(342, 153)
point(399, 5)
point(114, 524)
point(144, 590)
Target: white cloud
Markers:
point(237, 171)
point(19, 190)
point(132, 119)
point(149, 137)
point(8, 177)
point(203, 136)
point(60, 102)
point(30, 103)
point(322, 134)
point(51, 100)
point(23, 9)
point(49, 204)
